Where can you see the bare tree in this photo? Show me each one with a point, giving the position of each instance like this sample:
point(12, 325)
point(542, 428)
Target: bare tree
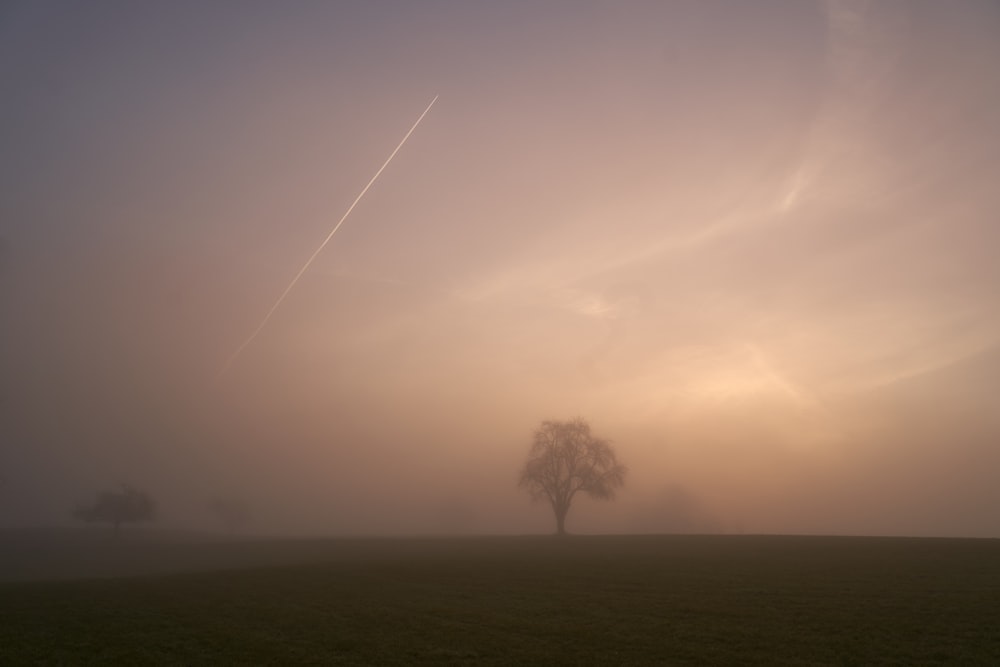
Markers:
point(118, 507)
point(566, 459)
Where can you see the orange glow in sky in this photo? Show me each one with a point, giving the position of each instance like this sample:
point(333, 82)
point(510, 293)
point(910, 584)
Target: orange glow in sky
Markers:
point(755, 246)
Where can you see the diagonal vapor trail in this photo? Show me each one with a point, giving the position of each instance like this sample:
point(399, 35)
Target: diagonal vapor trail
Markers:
point(322, 245)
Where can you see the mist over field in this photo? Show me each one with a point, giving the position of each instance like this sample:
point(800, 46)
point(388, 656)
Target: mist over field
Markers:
point(753, 244)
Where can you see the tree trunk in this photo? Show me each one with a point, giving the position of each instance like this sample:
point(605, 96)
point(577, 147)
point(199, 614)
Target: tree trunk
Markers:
point(561, 520)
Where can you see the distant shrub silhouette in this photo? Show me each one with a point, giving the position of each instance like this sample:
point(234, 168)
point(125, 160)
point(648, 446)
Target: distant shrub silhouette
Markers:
point(128, 505)
point(566, 459)
point(231, 512)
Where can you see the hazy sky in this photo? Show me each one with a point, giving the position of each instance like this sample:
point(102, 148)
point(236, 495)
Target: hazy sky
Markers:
point(753, 243)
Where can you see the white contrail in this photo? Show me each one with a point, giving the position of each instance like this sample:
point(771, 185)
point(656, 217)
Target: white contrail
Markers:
point(322, 245)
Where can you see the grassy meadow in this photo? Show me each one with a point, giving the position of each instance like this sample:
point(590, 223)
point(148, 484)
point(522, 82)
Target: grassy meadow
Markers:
point(602, 600)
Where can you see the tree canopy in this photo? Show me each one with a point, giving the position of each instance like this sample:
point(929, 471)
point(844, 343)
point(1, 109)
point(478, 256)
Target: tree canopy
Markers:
point(117, 507)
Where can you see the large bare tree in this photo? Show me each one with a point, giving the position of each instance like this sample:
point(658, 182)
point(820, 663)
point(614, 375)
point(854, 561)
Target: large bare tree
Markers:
point(566, 459)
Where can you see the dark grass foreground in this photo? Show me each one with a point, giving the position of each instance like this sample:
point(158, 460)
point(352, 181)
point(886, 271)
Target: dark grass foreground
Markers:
point(512, 601)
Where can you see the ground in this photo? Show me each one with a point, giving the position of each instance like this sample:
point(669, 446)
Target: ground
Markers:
point(706, 600)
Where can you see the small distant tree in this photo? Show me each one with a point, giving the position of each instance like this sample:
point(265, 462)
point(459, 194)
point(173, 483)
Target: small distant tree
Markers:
point(233, 513)
point(127, 505)
point(566, 459)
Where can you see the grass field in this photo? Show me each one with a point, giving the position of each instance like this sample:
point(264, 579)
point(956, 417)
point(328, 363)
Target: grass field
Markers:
point(528, 600)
